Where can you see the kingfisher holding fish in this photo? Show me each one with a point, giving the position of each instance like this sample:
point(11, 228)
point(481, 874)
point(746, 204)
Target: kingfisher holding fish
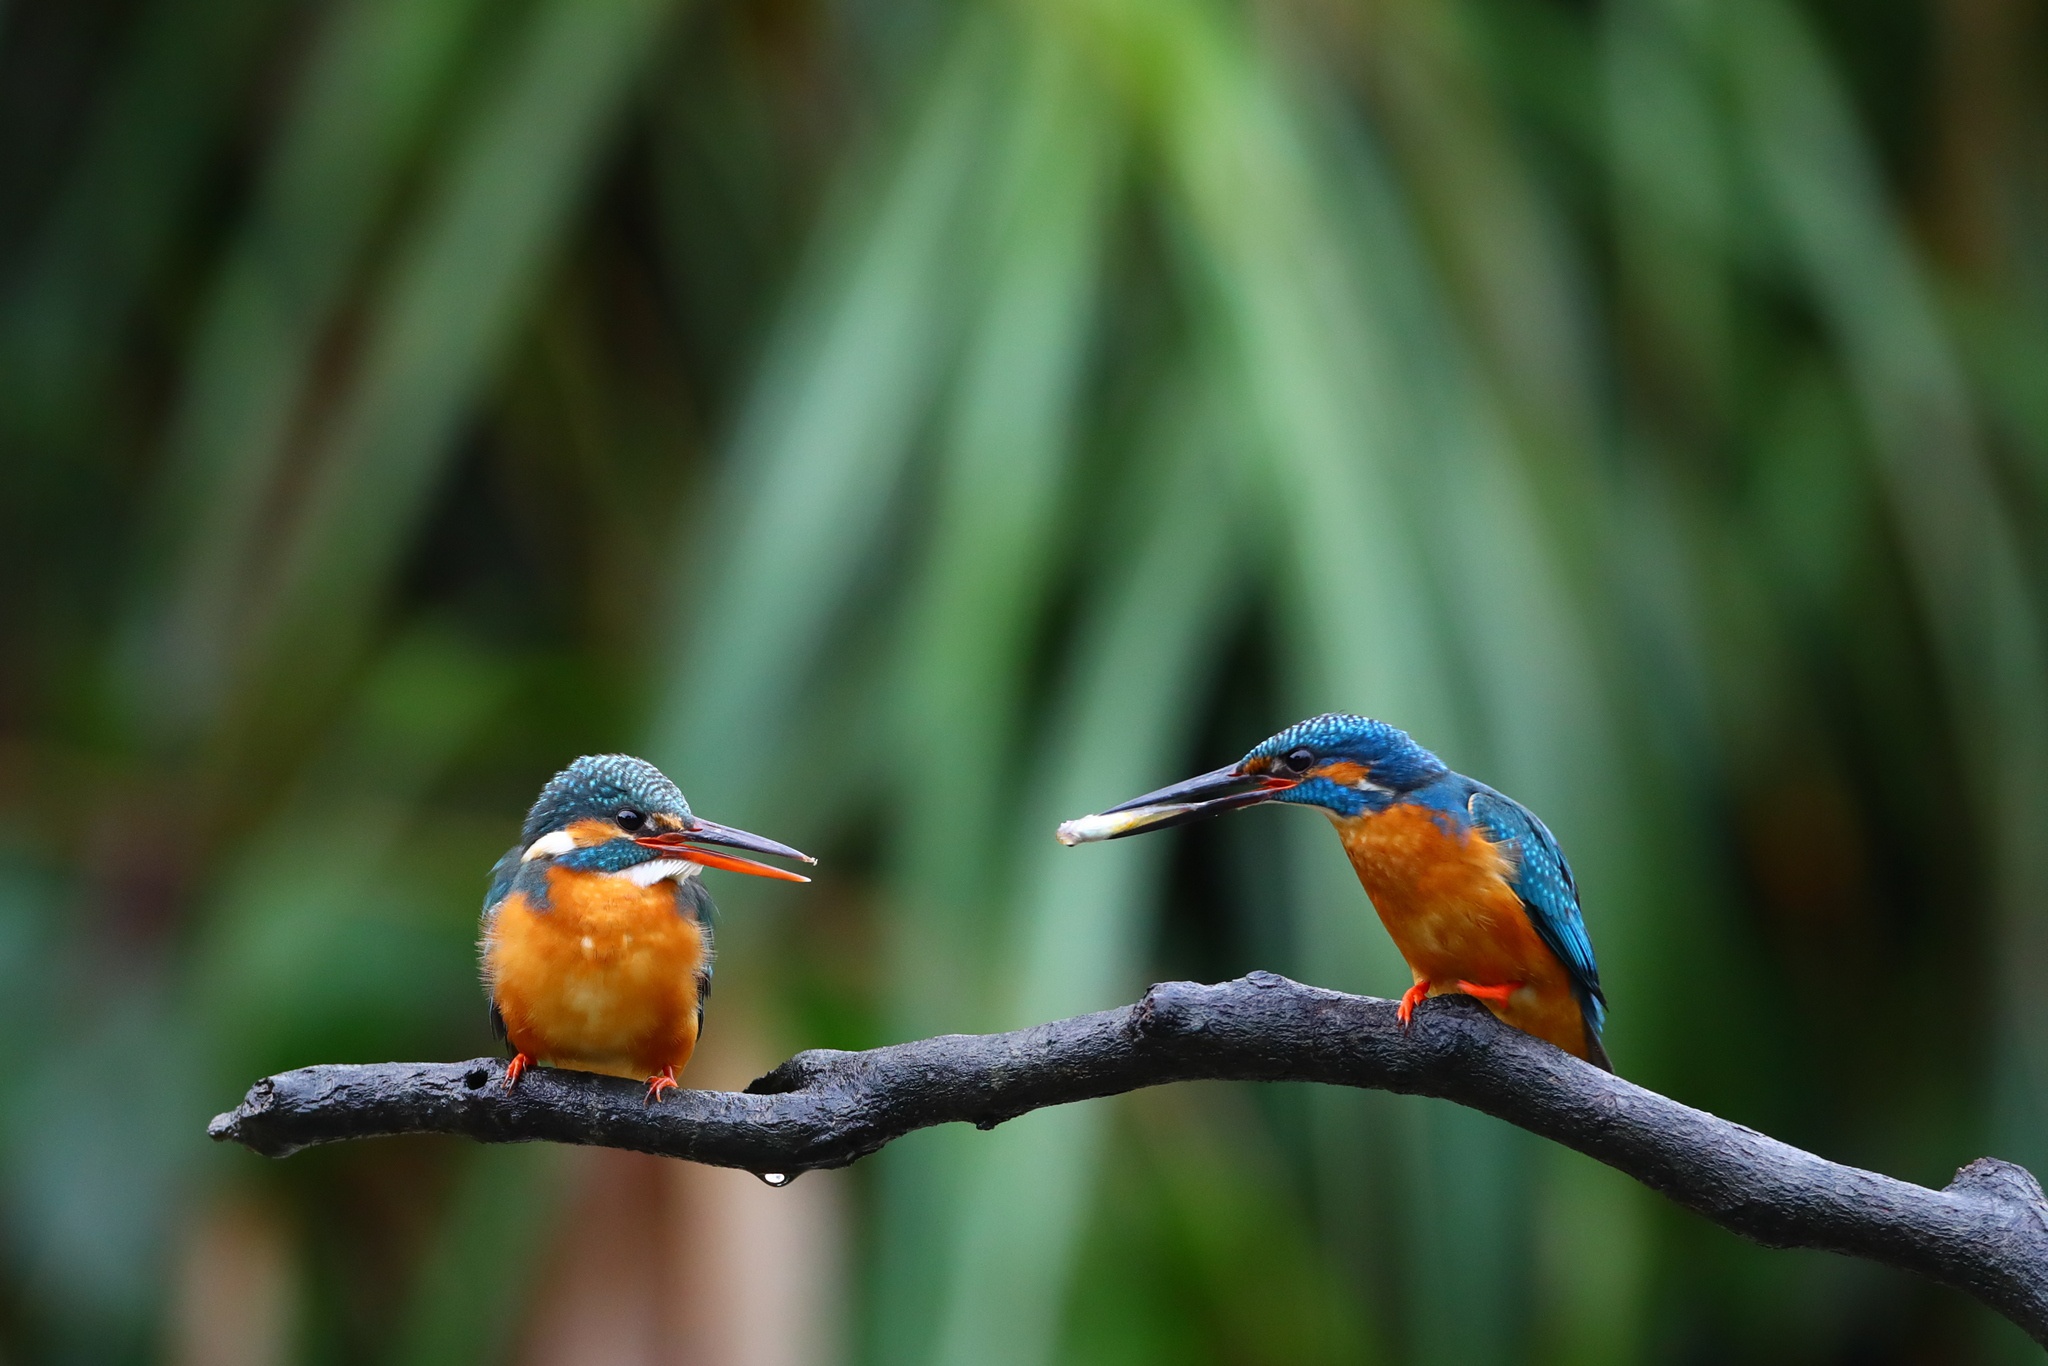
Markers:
point(1470, 884)
point(597, 928)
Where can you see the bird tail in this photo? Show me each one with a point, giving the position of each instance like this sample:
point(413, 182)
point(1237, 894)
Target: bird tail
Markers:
point(1596, 1052)
point(1593, 1018)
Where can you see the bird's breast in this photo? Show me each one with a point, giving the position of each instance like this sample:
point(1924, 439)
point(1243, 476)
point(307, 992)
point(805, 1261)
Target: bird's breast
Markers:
point(618, 918)
point(606, 977)
point(1442, 889)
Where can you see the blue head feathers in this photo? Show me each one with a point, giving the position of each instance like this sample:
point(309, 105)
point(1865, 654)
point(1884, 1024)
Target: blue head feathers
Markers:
point(597, 787)
point(1387, 762)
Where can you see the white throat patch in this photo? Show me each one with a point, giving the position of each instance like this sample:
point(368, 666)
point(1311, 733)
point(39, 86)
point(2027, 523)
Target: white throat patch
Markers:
point(659, 870)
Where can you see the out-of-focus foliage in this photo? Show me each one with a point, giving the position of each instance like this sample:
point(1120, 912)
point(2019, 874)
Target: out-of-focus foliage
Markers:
point(911, 424)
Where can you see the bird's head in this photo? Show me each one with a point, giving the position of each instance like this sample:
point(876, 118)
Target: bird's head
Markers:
point(1348, 765)
point(612, 813)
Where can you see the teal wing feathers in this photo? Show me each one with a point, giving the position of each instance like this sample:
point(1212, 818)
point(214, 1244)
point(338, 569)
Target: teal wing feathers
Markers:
point(1543, 880)
point(694, 901)
point(503, 874)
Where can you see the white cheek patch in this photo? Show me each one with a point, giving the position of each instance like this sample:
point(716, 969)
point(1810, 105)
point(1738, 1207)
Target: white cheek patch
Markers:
point(551, 845)
point(1367, 785)
point(660, 869)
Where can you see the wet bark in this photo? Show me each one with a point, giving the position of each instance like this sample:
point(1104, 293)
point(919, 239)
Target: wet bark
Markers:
point(1986, 1233)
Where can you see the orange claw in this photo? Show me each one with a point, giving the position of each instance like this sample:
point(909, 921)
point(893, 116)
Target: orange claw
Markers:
point(1497, 993)
point(516, 1069)
point(1410, 999)
point(664, 1080)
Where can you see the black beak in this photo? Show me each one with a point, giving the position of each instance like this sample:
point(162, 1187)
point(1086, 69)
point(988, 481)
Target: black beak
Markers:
point(688, 841)
point(1226, 789)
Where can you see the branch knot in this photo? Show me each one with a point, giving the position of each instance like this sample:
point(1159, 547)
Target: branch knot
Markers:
point(1997, 1181)
point(799, 1073)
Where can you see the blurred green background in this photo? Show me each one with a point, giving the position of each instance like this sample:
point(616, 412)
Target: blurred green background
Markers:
point(912, 423)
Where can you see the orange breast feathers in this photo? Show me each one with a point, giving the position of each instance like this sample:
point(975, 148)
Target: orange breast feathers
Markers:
point(1443, 894)
point(605, 980)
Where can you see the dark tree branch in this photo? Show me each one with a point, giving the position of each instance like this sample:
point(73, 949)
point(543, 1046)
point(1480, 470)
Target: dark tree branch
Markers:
point(1986, 1233)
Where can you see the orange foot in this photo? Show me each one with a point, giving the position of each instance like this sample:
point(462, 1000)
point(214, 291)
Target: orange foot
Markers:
point(1497, 993)
point(664, 1080)
point(1410, 999)
point(516, 1069)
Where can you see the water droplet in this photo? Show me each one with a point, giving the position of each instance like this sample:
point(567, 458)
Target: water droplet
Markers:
point(775, 1179)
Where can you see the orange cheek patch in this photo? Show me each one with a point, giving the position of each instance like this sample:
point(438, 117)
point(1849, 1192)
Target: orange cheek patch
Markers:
point(588, 833)
point(1342, 772)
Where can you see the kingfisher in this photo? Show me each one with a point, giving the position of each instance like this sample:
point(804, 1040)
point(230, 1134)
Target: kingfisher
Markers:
point(596, 940)
point(1469, 883)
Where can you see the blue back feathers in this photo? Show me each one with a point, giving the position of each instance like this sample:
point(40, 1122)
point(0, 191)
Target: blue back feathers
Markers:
point(504, 877)
point(1544, 882)
point(595, 787)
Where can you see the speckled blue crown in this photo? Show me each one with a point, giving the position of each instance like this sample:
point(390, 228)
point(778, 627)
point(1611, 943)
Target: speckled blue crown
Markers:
point(597, 786)
point(1395, 759)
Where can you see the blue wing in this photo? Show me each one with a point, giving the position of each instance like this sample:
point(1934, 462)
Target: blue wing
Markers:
point(694, 901)
point(1543, 880)
point(503, 873)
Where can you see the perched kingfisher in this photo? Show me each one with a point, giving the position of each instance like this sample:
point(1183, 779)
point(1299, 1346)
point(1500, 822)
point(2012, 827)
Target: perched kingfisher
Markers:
point(597, 928)
point(1471, 886)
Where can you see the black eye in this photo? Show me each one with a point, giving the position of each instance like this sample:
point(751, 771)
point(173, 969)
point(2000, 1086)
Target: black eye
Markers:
point(629, 819)
point(1300, 760)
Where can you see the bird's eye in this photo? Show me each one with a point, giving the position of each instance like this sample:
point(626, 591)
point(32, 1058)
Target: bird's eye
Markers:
point(1300, 760)
point(630, 820)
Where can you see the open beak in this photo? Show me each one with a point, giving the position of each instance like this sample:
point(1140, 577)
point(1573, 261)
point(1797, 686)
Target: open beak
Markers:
point(1226, 789)
point(689, 843)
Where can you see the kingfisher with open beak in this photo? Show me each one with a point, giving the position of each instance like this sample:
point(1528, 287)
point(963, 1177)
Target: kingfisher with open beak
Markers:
point(597, 928)
point(1472, 887)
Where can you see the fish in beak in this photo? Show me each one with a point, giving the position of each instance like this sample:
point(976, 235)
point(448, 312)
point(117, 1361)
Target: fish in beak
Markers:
point(1226, 789)
point(688, 843)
